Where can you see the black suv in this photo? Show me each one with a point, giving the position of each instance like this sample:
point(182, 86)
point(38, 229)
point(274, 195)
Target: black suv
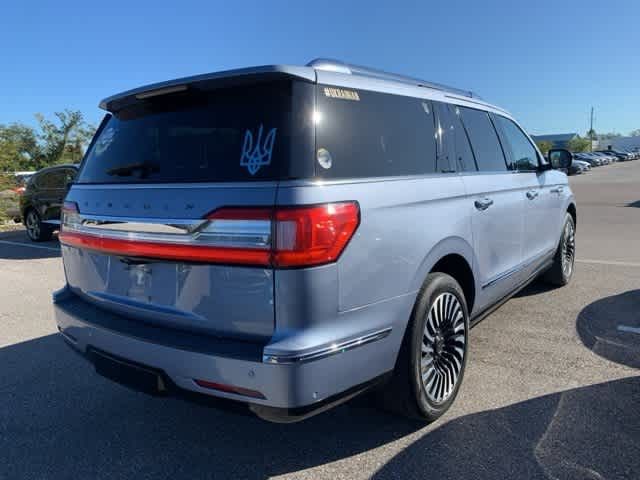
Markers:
point(42, 199)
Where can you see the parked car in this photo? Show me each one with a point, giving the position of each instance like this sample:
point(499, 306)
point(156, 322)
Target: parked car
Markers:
point(583, 165)
point(593, 161)
point(634, 155)
point(287, 237)
point(575, 168)
point(605, 157)
point(619, 155)
point(41, 201)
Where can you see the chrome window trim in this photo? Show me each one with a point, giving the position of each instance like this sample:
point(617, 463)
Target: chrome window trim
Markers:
point(326, 351)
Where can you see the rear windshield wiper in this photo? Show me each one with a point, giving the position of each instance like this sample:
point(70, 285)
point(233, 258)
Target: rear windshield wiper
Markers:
point(144, 169)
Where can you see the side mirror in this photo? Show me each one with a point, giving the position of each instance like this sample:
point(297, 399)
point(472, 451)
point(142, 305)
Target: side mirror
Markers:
point(560, 159)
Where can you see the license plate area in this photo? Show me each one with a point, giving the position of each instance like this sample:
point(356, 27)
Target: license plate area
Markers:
point(129, 374)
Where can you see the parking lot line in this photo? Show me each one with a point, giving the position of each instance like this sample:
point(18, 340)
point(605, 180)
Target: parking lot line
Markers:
point(609, 262)
point(20, 244)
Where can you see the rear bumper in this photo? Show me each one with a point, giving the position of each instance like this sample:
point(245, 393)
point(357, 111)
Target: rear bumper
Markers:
point(291, 388)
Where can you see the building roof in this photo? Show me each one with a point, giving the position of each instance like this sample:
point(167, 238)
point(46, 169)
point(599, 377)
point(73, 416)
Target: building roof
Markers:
point(555, 137)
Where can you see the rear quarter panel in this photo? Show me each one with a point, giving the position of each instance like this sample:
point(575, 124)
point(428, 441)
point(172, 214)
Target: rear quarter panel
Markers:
point(406, 226)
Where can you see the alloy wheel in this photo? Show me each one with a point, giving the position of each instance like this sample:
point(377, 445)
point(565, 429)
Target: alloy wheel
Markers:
point(33, 225)
point(443, 347)
point(568, 249)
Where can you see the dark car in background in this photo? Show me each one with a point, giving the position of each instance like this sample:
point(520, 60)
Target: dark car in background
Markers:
point(618, 154)
point(42, 199)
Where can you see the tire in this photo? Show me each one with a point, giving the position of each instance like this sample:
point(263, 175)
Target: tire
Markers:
point(407, 394)
point(562, 269)
point(36, 230)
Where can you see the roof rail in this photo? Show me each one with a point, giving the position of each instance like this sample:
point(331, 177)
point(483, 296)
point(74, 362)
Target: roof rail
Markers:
point(339, 66)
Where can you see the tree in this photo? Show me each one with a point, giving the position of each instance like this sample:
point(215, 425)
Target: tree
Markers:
point(55, 136)
point(19, 147)
point(63, 140)
point(544, 146)
point(578, 144)
point(635, 133)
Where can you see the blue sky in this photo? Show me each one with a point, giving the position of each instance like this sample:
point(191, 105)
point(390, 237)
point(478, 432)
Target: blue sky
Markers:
point(542, 60)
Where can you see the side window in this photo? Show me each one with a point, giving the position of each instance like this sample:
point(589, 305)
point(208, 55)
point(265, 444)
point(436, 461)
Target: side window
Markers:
point(523, 155)
point(455, 134)
point(369, 134)
point(484, 140)
point(52, 180)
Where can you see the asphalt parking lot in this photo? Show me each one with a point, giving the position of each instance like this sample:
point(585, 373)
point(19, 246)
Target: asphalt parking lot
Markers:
point(552, 388)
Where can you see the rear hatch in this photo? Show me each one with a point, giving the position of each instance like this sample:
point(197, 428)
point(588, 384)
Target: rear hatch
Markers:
point(168, 221)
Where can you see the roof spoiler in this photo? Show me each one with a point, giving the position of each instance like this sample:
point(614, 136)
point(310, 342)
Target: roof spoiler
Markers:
point(122, 99)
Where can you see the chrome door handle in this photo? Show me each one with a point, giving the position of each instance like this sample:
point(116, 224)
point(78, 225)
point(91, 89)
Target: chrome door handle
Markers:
point(557, 190)
point(483, 203)
point(531, 194)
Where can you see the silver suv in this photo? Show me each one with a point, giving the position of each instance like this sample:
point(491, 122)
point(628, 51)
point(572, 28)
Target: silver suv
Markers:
point(288, 237)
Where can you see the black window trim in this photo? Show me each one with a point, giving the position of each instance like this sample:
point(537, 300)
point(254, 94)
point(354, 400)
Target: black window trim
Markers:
point(504, 155)
point(466, 134)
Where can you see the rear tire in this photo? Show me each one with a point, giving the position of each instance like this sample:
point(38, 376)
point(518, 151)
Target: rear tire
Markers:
point(561, 271)
point(36, 230)
point(433, 355)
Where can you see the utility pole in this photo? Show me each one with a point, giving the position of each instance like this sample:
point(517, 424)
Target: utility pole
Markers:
point(591, 131)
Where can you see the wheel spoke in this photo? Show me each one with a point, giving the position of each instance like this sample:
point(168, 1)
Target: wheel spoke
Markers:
point(443, 347)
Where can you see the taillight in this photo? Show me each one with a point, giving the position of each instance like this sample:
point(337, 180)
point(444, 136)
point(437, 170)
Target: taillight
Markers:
point(280, 237)
point(70, 215)
point(306, 236)
point(296, 236)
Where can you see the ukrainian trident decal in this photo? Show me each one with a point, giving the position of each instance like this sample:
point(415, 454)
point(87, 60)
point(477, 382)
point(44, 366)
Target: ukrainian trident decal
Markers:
point(257, 153)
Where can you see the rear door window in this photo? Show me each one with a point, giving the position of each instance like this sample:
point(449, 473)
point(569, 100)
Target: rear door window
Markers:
point(53, 180)
point(484, 140)
point(362, 134)
point(252, 132)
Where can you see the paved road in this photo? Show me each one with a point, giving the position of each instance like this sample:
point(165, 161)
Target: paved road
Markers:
point(552, 389)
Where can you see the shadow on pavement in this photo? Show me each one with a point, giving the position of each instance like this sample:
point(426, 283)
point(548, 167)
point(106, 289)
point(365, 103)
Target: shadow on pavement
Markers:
point(60, 420)
point(584, 433)
point(610, 327)
point(15, 245)
point(535, 288)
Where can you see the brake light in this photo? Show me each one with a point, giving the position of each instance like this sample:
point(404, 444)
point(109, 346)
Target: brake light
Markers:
point(280, 237)
point(70, 215)
point(301, 236)
point(313, 235)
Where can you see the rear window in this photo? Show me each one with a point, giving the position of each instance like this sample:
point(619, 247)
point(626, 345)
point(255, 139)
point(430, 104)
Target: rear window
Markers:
point(253, 132)
point(55, 179)
point(363, 134)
